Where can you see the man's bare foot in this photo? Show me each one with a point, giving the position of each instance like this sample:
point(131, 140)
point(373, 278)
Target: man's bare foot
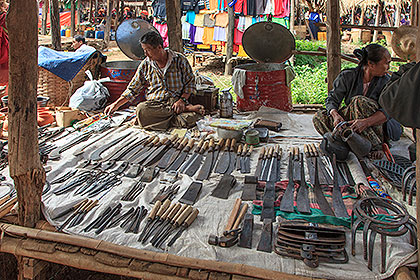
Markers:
point(376, 154)
point(196, 108)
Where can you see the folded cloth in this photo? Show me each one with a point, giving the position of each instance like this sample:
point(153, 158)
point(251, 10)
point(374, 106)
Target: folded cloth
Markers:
point(65, 65)
point(290, 75)
point(238, 81)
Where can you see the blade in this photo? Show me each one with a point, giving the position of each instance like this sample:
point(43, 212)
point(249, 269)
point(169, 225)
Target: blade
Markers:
point(265, 243)
point(287, 202)
point(177, 163)
point(273, 170)
point(265, 170)
point(206, 167)
point(337, 198)
point(176, 236)
point(259, 168)
point(164, 161)
point(223, 163)
point(302, 198)
point(247, 165)
point(232, 163)
point(96, 155)
point(239, 162)
point(319, 195)
point(188, 163)
point(155, 155)
point(194, 165)
point(173, 158)
point(145, 155)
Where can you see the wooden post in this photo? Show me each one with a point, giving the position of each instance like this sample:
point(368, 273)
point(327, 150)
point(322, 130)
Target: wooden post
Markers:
point(397, 13)
point(333, 41)
point(413, 13)
point(229, 43)
point(108, 21)
point(378, 16)
point(44, 17)
point(362, 21)
point(173, 16)
point(72, 17)
point(90, 11)
point(24, 162)
point(292, 16)
point(418, 163)
point(55, 25)
point(79, 14)
point(352, 14)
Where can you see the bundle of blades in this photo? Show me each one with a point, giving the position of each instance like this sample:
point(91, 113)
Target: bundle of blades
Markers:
point(167, 192)
point(124, 217)
point(103, 220)
point(165, 220)
point(64, 177)
point(83, 212)
point(245, 160)
point(77, 215)
point(223, 163)
point(76, 181)
point(182, 156)
point(96, 155)
point(133, 192)
point(69, 210)
point(132, 223)
point(312, 154)
point(267, 166)
point(193, 154)
point(141, 156)
point(179, 217)
point(167, 160)
point(109, 182)
point(157, 154)
point(55, 154)
point(101, 134)
point(197, 159)
point(207, 167)
point(46, 148)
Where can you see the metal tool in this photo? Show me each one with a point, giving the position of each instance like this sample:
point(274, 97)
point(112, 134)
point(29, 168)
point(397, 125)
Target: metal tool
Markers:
point(194, 153)
point(337, 198)
point(267, 162)
point(217, 150)
point(188, 221)
point(69, 210)
point(319, 195)
point(150, 220)
point(259, 163)
point(96, 155)
point(163, 162)
point(302, 197)
point(245, 239)
point(239, 156)
point(206, 168)
point(55, 154)
point(224, 161)
point(157, 220)
point(272, 174)
point(83, 212)
point(232, 156)
point(181, 158)
point(287, 201)
point(196, 163)
point(172, 211)
point(178, 151)
point(155, 144)
point(191, 195)
point(266, 241)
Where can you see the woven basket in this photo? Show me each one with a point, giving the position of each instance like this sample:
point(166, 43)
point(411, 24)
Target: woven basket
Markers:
point(59, 90)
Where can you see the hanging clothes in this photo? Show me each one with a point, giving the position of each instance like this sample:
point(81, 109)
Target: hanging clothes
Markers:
point(222, 20)
point(192, 33)
point(260, 6)
point(213, 5)
point(185, 28)
point(248, 22)
point(251, 8)
point(240, 7)
point(237, 34)
point(241, 24)
point(163, 31)
point(188, 5)
point(198, 37)
point(284, 10)
point(159, 9)
point(208, 21)
point(190, 17)
point(199, 20)
point(208, 36)
point(219, 34)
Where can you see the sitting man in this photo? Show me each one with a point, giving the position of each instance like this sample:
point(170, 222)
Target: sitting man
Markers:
point(79, 45)
point(169, 82)
point(360, 89)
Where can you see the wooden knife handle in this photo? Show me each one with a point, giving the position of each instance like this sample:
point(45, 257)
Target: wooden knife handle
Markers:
point(233, 214)
point(275, 151)
point(240, 216)
point(204, 147)
point(306, 150)
point(211, 144)
point(177, 142)
point(244, 150)
point(199, 145)
point(191, 218)
point(84, 206)
point(183, 207)
point(270, 152)
point(173, 138)
point(183, 143)
point(148, 140)
point(227, 144)
point(220, 143)
point(280, 153)
point(190, 144)
point(169, 210)
point(262, 153)
point(95, 202)
point(251, 148)
point(174, 211)
point(183, 215)
point(155, 141)
point(79, 203)
point(232, 144)
point(163, 141)
point(239, 151)
point(155, 209)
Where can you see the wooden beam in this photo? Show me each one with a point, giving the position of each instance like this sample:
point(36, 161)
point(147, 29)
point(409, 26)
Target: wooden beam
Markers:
point(72, 17)
point(229, 43)
point(55, 25)
point(333, 41)
point(108, 21)
point(365, 27)
point(173, 16)
point(44, 17)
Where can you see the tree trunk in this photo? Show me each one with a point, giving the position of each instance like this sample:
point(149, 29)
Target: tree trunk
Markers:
point(378, 16)
point(413, 13)
point(333, 41)
point(229, 43)
point(292, 16)
point(173, 16)
point(44, 17)
point(55, 25)
point(108, 20)
point(79, 14)
point(72, 18)
point(397, 13)
point(362, 22)
point(90, 11)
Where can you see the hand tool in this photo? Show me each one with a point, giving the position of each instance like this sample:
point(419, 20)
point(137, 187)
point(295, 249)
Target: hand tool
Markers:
point(259, 163)
point(69, 219)
point(151, 219)
point(180, 159)
point(80, 151)
point(191, 195)
point(224, 161)
point(159, 219)
point(154, 145)
point(63, 178)
point(175, 223)
point(55, 154)
point(82, 213)
point(172, 211)
point(127, 215)
point(287, 201)
point(95, 223)
point(134, 224)
point(130, 145)
point(245, 239)
point(319, 195)
point(151, 141)
point(296, 164)
point(166, 193)
point(157, 155)
point(138, 148)
point(133, 170)
point(246, 160)
point(71, 184)
point(267, 162)
point(302, 197)
point(192, 169)
point(226, 183)
point(250, 188)
point(96, 155)
point(163, 162)
point(217, 150)
point(194, 154)
point(206, 168)
point(232, 155)
point(337, 198)
point(279, 154)
point(133, 192)
point(266, 240)
point(325, 178)
point(176, 153)
point(268, 201)
point(188, 221)
point(272, 174)
point(114, 212)
point(69, 210)
point(128, 218)
point(240, 156)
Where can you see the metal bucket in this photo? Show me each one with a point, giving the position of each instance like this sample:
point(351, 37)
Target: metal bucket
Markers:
point(265, 85)
point(121, 73)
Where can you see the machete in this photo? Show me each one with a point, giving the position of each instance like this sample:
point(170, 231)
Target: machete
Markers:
point(194, 154)
point(206, 167)
point(180, 159)
point(217, 150)
point(302, 198)
point(259, 164)
point(143, 156)
point(287, 201)
point(337, 197)
point(272, 177)
point(96, 155)
point(163, 162)
point(223, 163)
point(319, 195)
point(158, 153)
point(267, 163)
point(197, 161)
point(247, 161)
point(178, 151)
point(239, 156)
point(232, 156)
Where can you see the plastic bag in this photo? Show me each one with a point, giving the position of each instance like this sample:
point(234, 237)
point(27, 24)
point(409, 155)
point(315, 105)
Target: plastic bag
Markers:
point(92, 96)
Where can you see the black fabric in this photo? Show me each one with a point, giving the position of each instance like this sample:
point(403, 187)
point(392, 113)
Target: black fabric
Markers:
point(159, 9)
point(348, 84)
point(188, 5)
point(260, 6)
point(401, 97)
point(251, 7)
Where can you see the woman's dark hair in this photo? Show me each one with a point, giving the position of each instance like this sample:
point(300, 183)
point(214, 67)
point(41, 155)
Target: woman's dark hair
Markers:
point(372, 52)
point(80, 38)
point(152, 38)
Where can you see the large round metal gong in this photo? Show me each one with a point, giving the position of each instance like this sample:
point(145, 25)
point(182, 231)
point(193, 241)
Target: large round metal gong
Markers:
point(128, 36)
point(268, 42)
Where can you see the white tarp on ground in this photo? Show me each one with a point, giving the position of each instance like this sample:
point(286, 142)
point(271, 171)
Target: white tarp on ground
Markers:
point(214, 213)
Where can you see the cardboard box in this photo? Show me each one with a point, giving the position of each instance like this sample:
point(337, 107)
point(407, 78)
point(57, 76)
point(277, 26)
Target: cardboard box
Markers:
point(64, 118)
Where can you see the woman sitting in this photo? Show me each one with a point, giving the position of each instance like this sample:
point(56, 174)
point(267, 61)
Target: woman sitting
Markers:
point(360, 89)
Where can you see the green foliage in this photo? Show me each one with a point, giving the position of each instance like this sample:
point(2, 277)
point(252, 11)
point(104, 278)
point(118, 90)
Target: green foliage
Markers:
point(306, 45)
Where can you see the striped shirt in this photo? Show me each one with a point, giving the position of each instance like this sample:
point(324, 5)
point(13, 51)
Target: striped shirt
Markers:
point(160, 84)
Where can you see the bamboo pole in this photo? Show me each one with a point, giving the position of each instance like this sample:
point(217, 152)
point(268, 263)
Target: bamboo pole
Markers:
point(55, 25)
point(72, 17)
point(333, 41)
point(229, 43)
point(378, 16)
point(144, 255)
point(44, 17)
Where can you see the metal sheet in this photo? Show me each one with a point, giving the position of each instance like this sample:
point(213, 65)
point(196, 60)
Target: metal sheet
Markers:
point(128, 36)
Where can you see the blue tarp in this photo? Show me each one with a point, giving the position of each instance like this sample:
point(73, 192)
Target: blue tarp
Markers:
point(63, 64)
